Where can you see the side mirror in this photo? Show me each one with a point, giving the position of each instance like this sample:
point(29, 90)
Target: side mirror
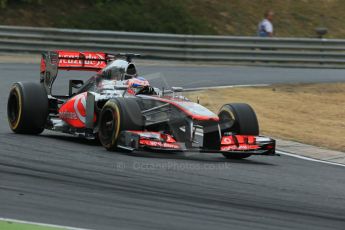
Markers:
point(121, 87)
point(177, 89)
point(74, 84)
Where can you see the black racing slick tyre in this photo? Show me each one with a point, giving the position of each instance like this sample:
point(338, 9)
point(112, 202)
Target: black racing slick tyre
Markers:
point(117, 115)
point(238, 118)
point(27, 108)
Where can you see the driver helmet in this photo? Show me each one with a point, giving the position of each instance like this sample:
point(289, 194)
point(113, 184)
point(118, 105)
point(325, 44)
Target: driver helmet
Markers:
point(137, 82)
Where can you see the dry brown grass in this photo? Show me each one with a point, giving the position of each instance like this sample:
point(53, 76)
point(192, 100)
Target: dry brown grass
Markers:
point(293, 18)
point(308, 113)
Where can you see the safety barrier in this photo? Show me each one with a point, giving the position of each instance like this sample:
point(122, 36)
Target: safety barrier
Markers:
point(246, 50)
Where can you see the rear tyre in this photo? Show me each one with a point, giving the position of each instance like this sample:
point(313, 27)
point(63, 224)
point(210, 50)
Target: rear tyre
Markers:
point(238, 118)
point(117, 115)
point(27, 108)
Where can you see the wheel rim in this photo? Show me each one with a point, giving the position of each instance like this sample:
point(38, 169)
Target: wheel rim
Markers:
point(14, 109)
point(108, 128)
point(227, 120)
point(107, 125)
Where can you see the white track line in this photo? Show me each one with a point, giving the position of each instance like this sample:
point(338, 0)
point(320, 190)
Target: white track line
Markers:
point(296, 155)
point(40, 224)
point(224, 87)
point(308, 158)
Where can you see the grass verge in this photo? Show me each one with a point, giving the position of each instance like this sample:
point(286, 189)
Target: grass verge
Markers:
point(10, 225)
point(308, 113)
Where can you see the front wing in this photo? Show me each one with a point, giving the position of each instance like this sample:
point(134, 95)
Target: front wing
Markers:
point(236, 144)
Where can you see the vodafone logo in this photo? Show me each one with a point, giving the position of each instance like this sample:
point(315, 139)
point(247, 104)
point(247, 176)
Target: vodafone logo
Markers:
point(75, 60)
point(159, 144)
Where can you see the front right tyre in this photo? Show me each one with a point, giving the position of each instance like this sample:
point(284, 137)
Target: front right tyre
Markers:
point(238, 118)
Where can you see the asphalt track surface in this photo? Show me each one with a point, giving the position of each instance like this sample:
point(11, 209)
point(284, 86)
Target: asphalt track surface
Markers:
point(58, 179)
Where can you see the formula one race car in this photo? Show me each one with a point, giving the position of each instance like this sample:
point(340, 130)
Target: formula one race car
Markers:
point(125, 112)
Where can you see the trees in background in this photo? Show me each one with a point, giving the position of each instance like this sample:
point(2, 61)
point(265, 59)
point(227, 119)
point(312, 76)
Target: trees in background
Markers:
point(3, 3)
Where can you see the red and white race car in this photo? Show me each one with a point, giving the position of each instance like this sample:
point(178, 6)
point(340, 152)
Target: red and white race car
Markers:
point(124, 112)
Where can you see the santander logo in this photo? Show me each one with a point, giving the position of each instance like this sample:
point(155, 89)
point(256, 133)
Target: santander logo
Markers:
point(79, 107)
point(74, 111)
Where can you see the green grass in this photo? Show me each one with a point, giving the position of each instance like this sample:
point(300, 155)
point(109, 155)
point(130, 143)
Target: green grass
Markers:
point(294, 18)
point(8, 225)
point(140, 15)
point(165, 16)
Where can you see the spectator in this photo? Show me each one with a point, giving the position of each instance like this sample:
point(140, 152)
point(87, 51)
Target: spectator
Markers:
point(265, 28)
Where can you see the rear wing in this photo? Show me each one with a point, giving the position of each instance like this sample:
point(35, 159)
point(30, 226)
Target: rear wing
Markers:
point(74, 60)
point(53, 61)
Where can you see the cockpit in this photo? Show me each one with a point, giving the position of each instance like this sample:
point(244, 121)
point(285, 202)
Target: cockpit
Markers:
point(119, 70)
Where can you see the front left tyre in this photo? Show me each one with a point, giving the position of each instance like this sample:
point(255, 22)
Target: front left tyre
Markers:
point(118, 114)
point(27, 108)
